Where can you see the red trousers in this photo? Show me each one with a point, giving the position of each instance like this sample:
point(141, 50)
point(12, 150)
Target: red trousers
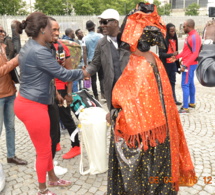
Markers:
point(36, 119)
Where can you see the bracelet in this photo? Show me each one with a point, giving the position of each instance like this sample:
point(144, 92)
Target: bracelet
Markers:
point(69, 94)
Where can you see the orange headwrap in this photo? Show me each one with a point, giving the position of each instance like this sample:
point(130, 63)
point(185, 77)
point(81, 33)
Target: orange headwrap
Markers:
point(137, 22)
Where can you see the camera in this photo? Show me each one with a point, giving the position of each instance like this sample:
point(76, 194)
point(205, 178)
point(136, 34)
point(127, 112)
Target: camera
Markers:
point(211, 11)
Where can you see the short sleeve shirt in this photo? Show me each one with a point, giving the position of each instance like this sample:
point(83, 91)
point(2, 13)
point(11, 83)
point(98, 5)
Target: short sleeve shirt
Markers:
point(60, 84)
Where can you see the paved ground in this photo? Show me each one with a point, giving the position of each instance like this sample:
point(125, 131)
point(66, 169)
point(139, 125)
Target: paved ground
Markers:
point(199, 127)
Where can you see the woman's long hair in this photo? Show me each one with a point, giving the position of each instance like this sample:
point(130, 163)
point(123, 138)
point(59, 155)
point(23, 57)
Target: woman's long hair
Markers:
point(168, 26)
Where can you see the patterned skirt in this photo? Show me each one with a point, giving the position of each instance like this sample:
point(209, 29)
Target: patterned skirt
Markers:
point(133, 171)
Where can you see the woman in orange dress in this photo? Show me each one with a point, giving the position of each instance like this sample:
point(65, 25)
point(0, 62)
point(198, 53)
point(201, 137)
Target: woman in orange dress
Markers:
point(148, 151)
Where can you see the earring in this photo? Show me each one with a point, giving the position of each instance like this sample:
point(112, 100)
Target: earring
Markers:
point(42, 32)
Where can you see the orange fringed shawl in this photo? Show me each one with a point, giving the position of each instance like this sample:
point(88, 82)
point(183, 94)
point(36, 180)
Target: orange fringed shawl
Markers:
point(142, 119)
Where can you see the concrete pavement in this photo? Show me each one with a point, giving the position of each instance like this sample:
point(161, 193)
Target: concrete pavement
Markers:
point(199, 127)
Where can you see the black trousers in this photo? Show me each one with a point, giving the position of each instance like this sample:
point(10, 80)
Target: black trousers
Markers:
point(171, 69)
point(67, 120)
point(54, 126)
point(94, 79)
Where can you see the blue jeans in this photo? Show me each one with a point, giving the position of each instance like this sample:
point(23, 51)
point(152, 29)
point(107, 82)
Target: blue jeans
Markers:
point(188, 88)
point(75, 86)
point(8, 117)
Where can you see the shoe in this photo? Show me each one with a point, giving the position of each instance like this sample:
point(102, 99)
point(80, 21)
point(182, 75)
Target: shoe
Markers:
point(178, 103)
point(75, 151)
point(58, 147)
point(184, 110)
point(59, 183)
point(46, 192)
point(60, 170)
point(17, 161)
point(192, 105)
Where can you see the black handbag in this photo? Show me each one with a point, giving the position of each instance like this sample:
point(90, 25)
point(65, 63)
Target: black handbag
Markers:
point(205, 71)
point(15, 76)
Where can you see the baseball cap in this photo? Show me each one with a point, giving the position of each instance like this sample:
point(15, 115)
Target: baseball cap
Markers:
point(109, 14)
point(90, 25)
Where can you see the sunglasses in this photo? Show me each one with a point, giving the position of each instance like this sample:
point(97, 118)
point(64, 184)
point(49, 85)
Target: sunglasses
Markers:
point(1, 31)
point(105, 22)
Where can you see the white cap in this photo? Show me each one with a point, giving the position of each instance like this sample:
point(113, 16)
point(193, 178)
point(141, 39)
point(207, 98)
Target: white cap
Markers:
point(109, 14)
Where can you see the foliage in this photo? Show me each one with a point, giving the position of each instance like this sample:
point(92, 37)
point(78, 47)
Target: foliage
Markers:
point(77, 7)
point(52, 7)
point(163, 10)
point(192, 10)
point(157, 3)
point(96, 7)
point(12, 7)
point(84, 7)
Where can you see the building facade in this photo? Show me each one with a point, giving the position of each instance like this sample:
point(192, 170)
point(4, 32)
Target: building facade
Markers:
point(182, 4)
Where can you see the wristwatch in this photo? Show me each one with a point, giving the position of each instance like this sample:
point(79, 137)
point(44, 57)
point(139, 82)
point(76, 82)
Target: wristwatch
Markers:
point(69, 94)
point(184, 66)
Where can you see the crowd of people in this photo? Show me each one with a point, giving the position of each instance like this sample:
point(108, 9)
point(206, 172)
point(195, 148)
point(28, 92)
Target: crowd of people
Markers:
point(147, 138)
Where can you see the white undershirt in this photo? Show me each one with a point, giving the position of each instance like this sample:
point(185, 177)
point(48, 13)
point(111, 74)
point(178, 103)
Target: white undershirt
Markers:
point(113, 40)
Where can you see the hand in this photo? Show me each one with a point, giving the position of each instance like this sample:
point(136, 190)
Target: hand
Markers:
point(86, 74)
point(62, 62)
point(59, 99)
point(16, 57)
point(68, 99)
point(84, 67)
point(183, 68)
point(172, 59)
point(175, 53)
point(108, 117)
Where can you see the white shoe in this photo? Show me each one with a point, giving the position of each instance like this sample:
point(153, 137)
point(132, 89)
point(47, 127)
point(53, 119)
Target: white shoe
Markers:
point(54, 162)
point(60, 170)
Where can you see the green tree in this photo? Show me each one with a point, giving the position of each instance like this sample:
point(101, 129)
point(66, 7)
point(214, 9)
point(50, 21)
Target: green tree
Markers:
point(163, 10)
point(123, 6)
point(96, 7)
point(53, 7)
point(192, 10)
point(12, 7)
point(157, 3)
point(86, 7)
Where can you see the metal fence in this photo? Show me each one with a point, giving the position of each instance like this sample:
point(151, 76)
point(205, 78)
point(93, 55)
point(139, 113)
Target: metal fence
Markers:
point(76, 22)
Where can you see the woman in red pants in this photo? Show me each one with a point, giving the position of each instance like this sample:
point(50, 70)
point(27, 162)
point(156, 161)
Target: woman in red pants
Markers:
point(38, 68)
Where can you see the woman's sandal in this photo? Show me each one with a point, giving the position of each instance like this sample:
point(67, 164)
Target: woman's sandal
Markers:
point(59, 183)
point(45, 192)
